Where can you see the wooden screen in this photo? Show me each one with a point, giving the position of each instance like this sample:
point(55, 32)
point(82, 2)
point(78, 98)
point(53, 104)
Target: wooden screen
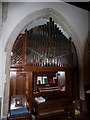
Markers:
point(18, 54)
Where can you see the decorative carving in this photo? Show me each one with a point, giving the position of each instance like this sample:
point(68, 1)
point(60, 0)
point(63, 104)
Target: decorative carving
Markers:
point(17, 56)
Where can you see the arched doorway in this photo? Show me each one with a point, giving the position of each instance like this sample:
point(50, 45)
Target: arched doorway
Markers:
point(45, 13)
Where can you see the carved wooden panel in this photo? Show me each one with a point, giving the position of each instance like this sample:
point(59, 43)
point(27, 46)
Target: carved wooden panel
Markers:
point(17, 51)
point(18, 54)
point(19, 83)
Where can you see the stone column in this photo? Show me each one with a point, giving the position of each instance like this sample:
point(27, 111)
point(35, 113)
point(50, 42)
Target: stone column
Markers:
point(6, 87)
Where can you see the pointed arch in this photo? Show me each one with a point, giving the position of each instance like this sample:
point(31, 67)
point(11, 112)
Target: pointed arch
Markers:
point(45, 14)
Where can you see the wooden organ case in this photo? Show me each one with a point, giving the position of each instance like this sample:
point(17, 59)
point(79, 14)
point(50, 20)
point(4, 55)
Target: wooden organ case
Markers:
point(44, 65)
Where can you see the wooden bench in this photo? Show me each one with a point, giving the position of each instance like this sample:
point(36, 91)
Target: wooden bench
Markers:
point(53, 108)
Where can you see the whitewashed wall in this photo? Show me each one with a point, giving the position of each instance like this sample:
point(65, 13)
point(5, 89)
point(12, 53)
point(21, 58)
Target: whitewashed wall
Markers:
point(0, 50)
point(0, 17)
point(77, 18)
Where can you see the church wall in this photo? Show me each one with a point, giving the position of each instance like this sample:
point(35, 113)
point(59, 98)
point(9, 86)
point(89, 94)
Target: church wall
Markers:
point(76, 17)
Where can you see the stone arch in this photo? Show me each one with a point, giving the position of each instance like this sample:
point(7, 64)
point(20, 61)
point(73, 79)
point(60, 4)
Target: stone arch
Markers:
point(44, 13)
point(85, 42)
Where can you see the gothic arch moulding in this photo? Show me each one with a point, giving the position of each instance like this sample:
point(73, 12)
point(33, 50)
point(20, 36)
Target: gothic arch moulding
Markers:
point(45, 14)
